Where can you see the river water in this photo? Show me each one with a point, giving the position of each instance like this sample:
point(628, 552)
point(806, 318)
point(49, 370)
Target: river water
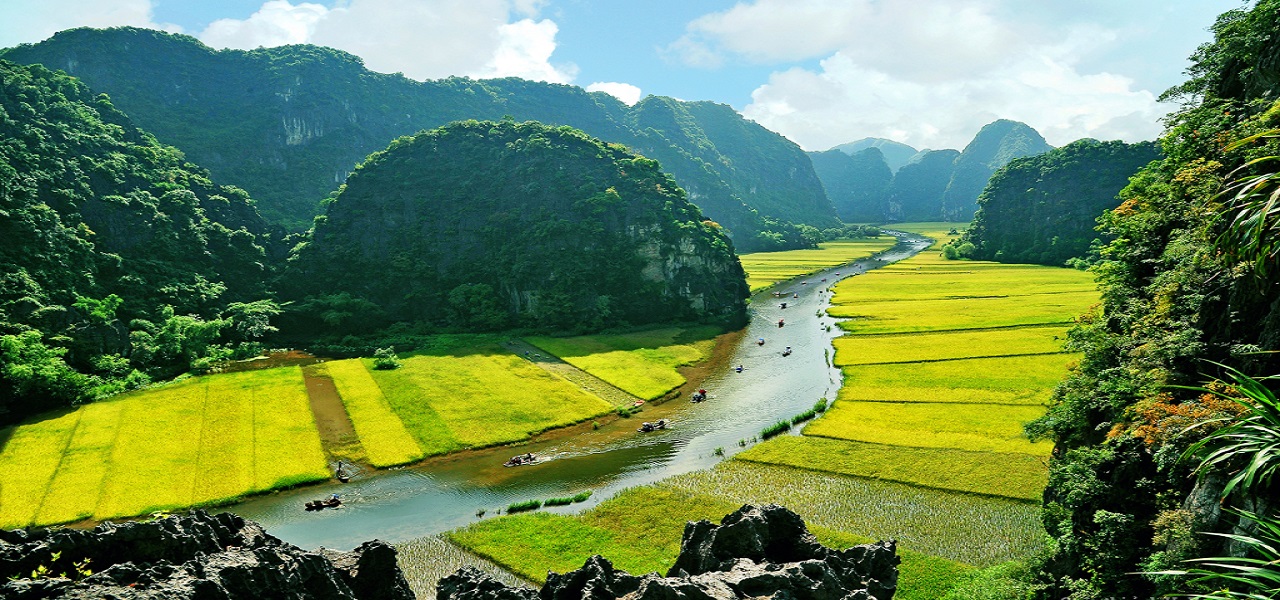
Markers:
point(442, 494)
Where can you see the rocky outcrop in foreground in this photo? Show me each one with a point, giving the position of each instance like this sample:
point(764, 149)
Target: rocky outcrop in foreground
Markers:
point(756, 552)
point(199, 556)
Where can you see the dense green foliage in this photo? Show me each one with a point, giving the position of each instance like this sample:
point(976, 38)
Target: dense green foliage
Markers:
point(1043, 209)
point(481, 225)
point(289, 124)
point(995, 146)
point(856, 184)
point(120, 261)
point(1119, 501)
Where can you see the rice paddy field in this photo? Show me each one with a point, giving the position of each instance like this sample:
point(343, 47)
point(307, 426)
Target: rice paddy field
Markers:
point(767, 268)
point(196, 442)
point(644, 363)
point(470, 396)
point(639, 530)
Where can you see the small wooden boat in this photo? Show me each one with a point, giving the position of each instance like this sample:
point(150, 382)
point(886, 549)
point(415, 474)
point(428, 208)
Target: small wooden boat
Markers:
point(323, 504)
point(521, 460)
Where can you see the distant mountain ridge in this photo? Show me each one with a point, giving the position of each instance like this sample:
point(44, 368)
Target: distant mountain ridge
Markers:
point(896, 154)
point(925, 185)
point(289, 123)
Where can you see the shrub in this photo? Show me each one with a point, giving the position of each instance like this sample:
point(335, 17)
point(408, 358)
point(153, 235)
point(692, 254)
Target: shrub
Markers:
point(775, 429)
point(384, 359)
point(524, 506)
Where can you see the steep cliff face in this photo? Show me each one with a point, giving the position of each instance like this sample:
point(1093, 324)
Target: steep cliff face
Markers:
point(546, 225)
point(915, 194)
point(856, 184)
point(994, 146)
point(289, 123)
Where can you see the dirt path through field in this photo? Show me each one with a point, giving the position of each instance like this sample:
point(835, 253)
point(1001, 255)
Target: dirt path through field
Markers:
point(337, 434)
point(576, 376)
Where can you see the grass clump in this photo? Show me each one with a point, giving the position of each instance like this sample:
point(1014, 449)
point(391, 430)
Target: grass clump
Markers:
point(1012, 475)
point(381, 432)
point(642, 363)
point(527, 505)
point(776, 429)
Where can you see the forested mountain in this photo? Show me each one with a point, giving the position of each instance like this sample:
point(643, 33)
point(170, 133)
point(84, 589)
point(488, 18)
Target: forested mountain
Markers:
point(289, 123)
point(915, 194)
point(118, 256)
point(484, 225)
point(924, 186)
point(1044, 209)
point(895, 154)
point(856, 184)
point(1189, 283)
point(995, 145)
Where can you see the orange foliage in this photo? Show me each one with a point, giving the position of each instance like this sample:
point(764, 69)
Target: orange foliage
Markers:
point(1157, 420)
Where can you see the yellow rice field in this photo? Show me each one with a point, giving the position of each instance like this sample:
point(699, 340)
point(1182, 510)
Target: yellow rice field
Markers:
point(767, 268)
point(199, 441)
point(644, 363)
point(382, 434)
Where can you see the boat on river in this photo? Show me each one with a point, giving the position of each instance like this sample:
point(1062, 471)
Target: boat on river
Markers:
point(521, 460)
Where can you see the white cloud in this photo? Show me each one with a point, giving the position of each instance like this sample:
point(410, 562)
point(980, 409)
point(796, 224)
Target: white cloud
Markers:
point(927, 72)
point(275, 24)
point(29, 21)
point(524, 50)
point(424, 39)
point(627, 93)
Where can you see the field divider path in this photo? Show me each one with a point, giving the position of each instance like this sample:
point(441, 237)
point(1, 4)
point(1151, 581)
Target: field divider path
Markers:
point(337, 432)
point(584, 380)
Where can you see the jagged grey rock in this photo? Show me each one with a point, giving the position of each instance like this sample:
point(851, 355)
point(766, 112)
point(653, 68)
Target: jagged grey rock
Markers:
point(199, 556)
point(756, 552)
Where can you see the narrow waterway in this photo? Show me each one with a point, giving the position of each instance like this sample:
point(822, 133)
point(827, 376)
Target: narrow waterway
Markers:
point(446, 493)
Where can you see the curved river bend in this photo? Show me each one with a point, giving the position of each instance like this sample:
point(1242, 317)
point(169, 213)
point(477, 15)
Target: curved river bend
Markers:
point(446, 493)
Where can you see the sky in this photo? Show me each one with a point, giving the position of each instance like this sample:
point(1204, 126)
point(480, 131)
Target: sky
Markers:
point(929, 73)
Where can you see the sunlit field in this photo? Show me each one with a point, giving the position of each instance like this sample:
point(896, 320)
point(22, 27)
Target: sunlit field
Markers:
point(978, 427)
point(640, 529)
point(976, 282)
point(200, 441)
point(1020, 476)
point(931, 315)
point(384, 437)
point(767, 268)
point(642, 363)
point(1000, 380)
point(470, 397)
point(972, 343)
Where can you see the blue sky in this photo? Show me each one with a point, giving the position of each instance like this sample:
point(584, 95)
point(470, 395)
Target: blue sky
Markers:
point(821, 72)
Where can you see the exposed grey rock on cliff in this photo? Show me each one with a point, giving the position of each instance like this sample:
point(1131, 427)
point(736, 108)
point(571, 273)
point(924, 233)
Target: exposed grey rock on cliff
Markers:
point(202, 556)
point(756, 552)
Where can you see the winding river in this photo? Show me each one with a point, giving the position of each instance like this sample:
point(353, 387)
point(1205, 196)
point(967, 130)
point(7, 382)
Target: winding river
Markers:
point(445, 493)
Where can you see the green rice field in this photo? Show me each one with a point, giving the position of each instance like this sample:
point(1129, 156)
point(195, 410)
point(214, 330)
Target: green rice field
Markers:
point(987, 473)
point(473, 397)
point(640, 529)
point(767, 268)
point(644, 364)
point(200, 441)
